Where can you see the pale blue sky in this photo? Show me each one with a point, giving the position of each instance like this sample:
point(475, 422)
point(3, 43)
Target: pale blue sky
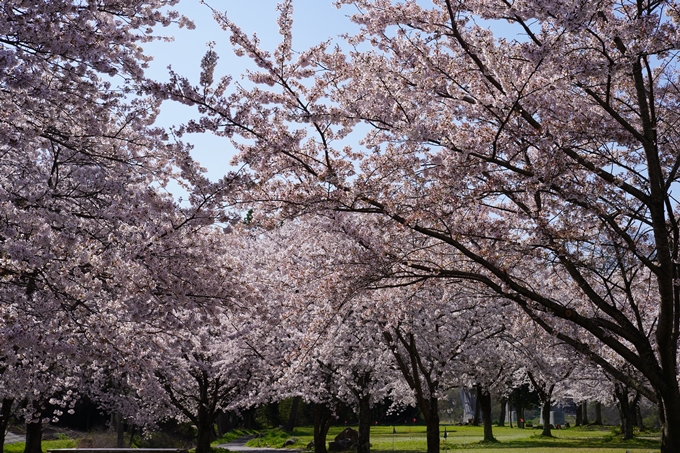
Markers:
point(314, 21)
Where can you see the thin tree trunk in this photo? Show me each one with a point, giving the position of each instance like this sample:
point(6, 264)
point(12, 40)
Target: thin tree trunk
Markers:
point(501, 416)
point(546, 418)
point(545, 394)
point(364, 438)
point(585, 413)
point(638, 417)
point(579, 415)
point(292, 417)
point(484, 399)
point(520, 416)
point(33, 437)
point(625, 410)
point(132, 436)
point(598, 413)
point(120, 431)
point(5, 414)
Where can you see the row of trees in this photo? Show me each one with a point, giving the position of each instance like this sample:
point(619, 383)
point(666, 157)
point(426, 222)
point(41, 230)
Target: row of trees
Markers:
point(432, 207)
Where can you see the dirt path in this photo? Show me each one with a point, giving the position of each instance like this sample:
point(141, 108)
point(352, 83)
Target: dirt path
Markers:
point(11, 438)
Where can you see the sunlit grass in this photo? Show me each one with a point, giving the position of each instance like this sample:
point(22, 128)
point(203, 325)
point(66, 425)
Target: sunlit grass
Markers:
point(467, 439)
point(18, 447)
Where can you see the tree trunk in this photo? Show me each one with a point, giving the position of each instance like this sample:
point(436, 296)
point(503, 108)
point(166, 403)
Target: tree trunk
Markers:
point(484, 401)
point(501, 416)
point(364, 439)
point(432, 421)
point(322, 423)
point(579, 415)
point(598, 413)
point(272, 414)
point(585, 412)
point(626, 411)
point(669, 416)
point(223, 423)
point(204, 426)
point(292, 417)
point(5, 414)
point(546, 418)
point(520, 415)
point(638, 417)
point(120, 431)
point(33, 437)
point(248, 418)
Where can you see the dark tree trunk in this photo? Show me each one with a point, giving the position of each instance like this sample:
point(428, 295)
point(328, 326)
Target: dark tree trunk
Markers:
point(598, 413)
point(545, 392)
point(120, 431)
point(579, 415)
point(292, 417)
point(5, 414)
point(520, 415)
point(669, 416)
point(272, 414)
point(585, 413)
point(501, 416)
point(432, 421)
point(249, 418)
point(132, 436)
point(546, 418)
point(33, 437)
point(626, 411)
point(223, 423)
point(364, 439)
point(322, 423)
point(638, 417)
point(510, 413)
point(484, 401)
point(416, 375)
point(204, 427)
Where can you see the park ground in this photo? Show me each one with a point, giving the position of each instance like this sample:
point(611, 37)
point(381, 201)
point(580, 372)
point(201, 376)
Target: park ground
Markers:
point(459, 439)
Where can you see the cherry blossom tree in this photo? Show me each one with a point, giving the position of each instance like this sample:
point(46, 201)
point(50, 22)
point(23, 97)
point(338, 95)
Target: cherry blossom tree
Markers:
point(552, 152)
point(323, 321)
point(81, 191)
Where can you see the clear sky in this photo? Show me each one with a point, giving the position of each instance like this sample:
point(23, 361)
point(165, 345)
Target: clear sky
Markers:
point(314, 21)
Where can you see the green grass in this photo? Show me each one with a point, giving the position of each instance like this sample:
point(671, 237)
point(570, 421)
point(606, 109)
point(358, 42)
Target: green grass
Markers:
point(275, 438)
point(18, 447)
point(467, 439)
point(233, 435)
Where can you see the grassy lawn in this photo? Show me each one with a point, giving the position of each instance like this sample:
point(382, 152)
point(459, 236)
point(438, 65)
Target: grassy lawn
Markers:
point(467, 439)
point(18, 447)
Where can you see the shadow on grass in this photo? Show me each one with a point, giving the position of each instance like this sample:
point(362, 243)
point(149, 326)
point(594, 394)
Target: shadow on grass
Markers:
point(555, 442)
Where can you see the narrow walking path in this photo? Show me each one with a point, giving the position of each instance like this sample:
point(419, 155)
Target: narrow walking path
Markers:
point(11, 438)
point(240, 445)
